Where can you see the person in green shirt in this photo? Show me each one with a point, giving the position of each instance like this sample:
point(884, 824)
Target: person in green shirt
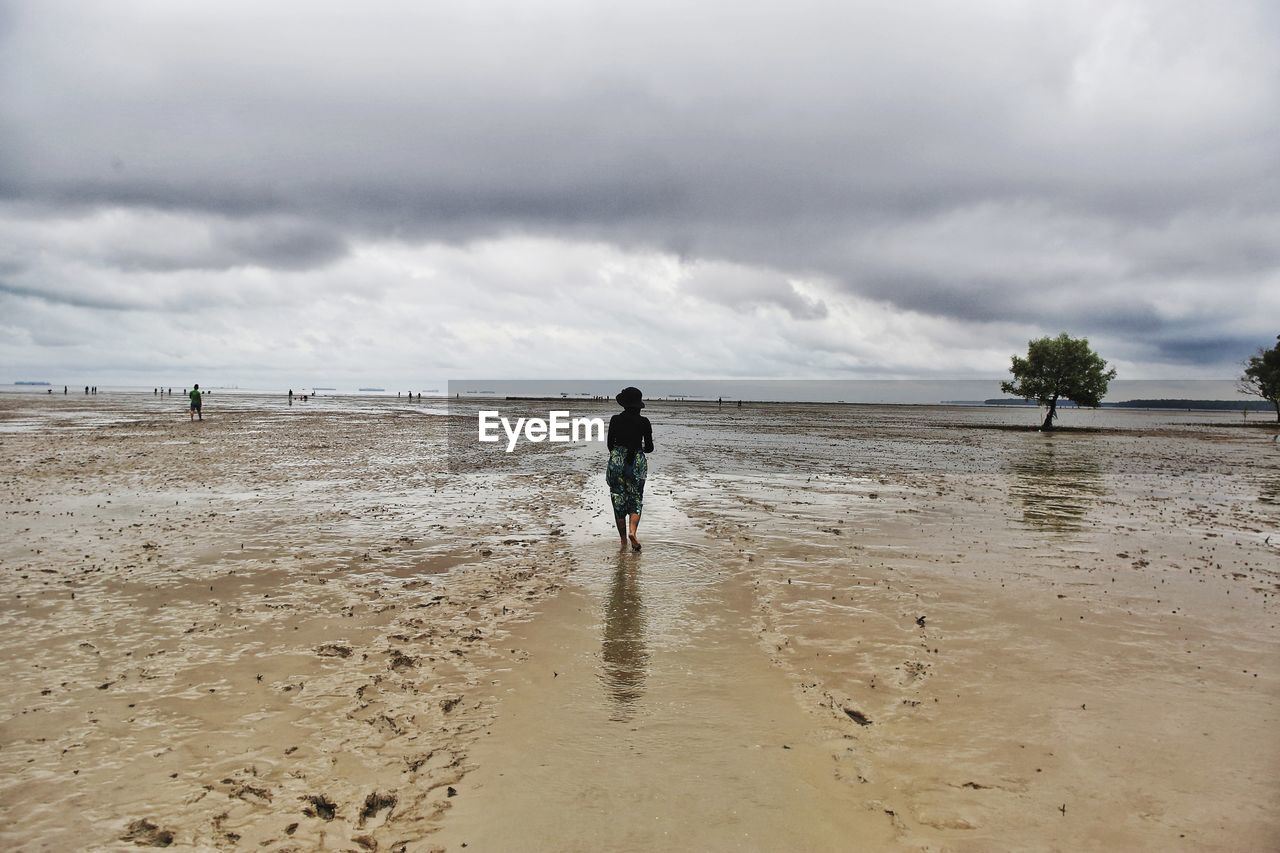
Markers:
point(195, 402)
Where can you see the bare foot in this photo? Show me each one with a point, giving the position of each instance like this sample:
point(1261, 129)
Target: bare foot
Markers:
point(635, 543)
point(622, 544)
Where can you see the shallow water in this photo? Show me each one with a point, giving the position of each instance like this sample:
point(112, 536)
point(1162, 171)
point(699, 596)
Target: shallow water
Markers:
point(1011, 613)
point(645, 717)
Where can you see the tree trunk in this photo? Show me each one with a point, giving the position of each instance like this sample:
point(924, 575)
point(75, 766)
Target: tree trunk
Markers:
point(1053, 413)
point(1276, 403)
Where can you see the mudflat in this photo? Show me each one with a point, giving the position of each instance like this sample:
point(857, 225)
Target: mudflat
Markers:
point(851, 627)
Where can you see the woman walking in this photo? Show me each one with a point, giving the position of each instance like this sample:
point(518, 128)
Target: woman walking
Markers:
point(629, 438)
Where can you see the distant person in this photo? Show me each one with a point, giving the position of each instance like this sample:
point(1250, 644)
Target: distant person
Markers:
point(720, 403)
point(86, 389)
point(629, 438)
point(195, 402)
point(64, 390)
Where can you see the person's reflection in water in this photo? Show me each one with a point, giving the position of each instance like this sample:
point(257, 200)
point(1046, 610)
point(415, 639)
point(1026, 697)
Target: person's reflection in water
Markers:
point(625, 658)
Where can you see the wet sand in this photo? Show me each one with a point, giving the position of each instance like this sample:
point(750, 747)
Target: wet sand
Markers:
point(851, 628)
point(255, 631)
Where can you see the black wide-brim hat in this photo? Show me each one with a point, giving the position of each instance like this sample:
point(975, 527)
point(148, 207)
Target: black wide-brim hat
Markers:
point(630, 398)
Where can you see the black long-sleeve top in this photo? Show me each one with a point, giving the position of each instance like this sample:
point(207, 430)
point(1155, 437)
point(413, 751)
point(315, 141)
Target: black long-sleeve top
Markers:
point(631, 430)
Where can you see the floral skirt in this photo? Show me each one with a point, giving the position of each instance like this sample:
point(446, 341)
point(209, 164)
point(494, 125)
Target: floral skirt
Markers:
point(626, 492)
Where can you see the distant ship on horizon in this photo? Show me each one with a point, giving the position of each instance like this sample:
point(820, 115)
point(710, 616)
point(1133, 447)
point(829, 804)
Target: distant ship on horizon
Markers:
point(31, 382)
point(371, 389)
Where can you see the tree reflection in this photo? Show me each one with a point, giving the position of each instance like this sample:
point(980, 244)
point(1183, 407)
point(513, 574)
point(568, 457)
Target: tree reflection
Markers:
point(1056, 483)
point(1269, 490)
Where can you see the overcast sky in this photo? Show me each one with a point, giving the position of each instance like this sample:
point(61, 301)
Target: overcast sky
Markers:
point(327, 193)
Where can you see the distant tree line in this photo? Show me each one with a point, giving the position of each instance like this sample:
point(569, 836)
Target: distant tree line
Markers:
point(1064, 371)
point(1213, 405)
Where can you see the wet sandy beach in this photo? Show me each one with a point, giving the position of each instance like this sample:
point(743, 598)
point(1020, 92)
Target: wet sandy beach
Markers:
point(899, 628)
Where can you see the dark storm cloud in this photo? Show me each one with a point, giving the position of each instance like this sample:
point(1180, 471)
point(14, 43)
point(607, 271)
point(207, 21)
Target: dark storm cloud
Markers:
point(1214, 350)
point(1021, 300)
point(745, 289)
point(964, 299)
point(288, 247)
point(1098, 167)
point(263, 243)
point(107, 302)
